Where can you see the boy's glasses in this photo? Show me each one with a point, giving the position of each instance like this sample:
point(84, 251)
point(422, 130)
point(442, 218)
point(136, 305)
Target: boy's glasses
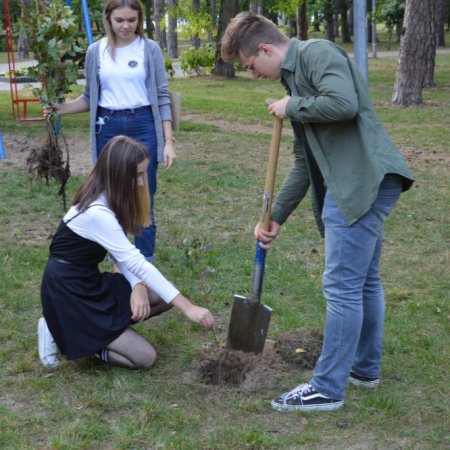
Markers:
point(251, 66)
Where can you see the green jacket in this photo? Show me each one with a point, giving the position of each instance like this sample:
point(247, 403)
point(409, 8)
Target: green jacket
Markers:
point(337, 129)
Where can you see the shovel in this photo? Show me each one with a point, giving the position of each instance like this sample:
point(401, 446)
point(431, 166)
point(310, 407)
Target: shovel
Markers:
point(249, 317)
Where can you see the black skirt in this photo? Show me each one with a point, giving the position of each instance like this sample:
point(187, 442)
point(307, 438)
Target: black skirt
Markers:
point(85, 309)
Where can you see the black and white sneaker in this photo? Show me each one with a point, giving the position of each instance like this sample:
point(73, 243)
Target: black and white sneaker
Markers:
point(305, 398)
point(359, 380)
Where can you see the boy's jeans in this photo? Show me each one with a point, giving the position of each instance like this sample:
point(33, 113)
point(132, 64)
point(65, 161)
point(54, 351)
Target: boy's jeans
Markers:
point(354, 292)
point(139, 125)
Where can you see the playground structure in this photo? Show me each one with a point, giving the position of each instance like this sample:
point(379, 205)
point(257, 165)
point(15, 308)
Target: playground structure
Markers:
point(20, 105)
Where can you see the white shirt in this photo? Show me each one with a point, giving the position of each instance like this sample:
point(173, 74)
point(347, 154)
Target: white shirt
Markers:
point(122, 80)
point(99, 224)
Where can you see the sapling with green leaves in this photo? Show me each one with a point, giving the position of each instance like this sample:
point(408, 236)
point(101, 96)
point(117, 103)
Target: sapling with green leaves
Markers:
point(51, 30)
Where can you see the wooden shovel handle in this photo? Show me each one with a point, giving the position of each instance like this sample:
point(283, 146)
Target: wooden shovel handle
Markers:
point(271, 173)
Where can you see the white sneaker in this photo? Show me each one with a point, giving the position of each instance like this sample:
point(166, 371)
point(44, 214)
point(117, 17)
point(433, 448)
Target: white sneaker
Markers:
point(48, 350)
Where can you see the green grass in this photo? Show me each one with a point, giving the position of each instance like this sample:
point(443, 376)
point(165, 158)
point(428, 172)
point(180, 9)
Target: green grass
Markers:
point(213, 196)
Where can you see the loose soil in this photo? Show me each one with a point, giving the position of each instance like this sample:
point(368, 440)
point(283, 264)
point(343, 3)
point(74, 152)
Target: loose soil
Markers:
point(296, 349)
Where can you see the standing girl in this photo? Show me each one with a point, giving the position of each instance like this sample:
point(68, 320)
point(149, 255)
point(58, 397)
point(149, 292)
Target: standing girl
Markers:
point(127, 93)
point(87, 312)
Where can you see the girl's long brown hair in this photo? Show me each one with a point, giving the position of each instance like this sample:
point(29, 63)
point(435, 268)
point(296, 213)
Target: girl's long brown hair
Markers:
point(115, 174)
point(110, 6)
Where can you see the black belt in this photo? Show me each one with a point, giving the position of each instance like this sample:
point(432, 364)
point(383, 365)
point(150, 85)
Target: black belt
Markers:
point(69, 263)
point(101, 110)
point(60, 260)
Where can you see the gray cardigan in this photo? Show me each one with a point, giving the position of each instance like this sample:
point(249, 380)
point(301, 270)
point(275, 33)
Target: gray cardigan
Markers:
point(156, 82)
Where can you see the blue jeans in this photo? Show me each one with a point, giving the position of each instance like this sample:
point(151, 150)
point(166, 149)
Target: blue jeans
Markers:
point(354, 292)
point(139, 125)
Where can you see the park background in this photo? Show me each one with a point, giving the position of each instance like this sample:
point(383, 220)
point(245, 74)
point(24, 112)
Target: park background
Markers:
point(207, 206)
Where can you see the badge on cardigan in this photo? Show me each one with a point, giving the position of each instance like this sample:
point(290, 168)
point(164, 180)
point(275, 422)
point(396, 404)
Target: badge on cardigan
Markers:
point(132, 64)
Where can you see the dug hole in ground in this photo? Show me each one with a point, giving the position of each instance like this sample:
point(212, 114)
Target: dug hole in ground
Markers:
point(297, 349)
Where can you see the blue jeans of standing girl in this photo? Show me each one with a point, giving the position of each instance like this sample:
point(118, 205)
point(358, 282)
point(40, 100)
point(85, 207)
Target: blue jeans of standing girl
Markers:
point(354, 292)
point(138, 124)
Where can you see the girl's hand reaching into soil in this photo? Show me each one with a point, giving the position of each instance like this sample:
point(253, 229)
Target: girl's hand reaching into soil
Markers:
point(197, 314)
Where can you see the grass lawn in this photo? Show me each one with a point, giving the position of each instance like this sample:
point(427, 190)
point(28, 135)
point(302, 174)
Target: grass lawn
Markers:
point(206, 208)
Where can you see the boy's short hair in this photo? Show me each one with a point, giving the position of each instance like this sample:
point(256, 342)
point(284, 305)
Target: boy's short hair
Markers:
point(245, 33)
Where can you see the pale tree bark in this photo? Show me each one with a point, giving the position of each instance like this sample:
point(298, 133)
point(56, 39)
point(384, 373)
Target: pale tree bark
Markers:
point(173, 37)
point(417, 52)
point(23, 50)
point(302, 22)
point(160, 29)
point(228, 9)
point(257, 6)
point(261, 7)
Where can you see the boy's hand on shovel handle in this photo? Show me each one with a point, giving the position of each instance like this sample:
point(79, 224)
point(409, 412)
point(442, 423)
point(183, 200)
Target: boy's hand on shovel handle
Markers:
point(267, 237)
point(277, 108)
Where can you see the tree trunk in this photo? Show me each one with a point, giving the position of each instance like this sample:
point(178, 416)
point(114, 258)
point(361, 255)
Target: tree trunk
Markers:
point(148, 18)
point(257, 6)
point(419, 32)
point(430, 46)
point(398, 31)
point(329, 19)
point(213, 18)
point(195, 38)
point(23, 51)
point(160, 29)
point(370, 24)
point(344, 24)
point(350, 20)
point(261, 7)
point(336, 25)
point(173, 38)
point(302, 22)
point(228, 9)
point(441, 22)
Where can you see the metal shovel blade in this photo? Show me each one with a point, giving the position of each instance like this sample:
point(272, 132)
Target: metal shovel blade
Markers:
point(248, 325)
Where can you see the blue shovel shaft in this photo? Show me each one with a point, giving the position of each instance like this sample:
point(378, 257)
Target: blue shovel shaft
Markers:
point(258, 273)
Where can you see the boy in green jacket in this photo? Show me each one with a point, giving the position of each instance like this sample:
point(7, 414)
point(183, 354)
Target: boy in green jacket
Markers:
point(356, 174)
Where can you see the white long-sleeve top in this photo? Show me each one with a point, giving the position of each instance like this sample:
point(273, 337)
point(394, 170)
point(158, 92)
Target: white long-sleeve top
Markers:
point(99, 224)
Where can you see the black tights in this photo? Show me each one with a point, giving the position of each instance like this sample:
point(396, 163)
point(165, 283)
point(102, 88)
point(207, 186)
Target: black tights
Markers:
point(132, 350)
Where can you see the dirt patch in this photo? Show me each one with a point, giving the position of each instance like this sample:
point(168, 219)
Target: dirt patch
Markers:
point(18, 148)
point(234, 126)
point(250, 372)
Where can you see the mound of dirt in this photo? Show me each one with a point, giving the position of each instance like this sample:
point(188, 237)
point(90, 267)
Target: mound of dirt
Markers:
point(299, 349)
point(294, 350)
